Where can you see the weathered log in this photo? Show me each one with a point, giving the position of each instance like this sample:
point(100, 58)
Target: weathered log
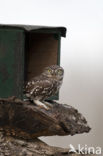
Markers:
point(26, 120)
point(22, 122)
point(10, 146)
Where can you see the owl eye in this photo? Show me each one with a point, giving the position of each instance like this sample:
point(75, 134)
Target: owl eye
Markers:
point(60, 72)
point(49, 71)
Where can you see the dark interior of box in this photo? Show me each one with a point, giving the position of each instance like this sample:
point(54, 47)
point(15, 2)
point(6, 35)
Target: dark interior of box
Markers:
point(41, 51)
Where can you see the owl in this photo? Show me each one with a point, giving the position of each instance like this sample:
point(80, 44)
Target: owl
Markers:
point(46, 85)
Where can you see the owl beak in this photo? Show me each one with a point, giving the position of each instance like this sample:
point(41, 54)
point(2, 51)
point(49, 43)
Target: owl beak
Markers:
point(54, 75)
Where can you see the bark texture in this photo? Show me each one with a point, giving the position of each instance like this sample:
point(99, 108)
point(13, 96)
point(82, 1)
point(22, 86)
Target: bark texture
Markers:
point(22, 122)
point(26, 120)
point(10, 146)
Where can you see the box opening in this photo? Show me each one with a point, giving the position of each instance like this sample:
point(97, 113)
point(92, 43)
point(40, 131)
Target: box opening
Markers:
point(41, 51)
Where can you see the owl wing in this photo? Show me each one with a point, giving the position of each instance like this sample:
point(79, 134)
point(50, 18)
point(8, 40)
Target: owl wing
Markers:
point(38, 87)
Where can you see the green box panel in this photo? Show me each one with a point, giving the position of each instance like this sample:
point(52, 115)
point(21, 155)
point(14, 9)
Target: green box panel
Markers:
point(11, 62)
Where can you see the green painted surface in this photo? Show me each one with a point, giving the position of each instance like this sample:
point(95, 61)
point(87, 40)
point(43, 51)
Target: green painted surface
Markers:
point(12, 57)
point(11, 62)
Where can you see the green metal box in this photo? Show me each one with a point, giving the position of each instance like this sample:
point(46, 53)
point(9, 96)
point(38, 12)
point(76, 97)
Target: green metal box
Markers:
point(24, 52)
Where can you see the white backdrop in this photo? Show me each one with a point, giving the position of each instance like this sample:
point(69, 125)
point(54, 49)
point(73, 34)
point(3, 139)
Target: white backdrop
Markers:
point(81, 55)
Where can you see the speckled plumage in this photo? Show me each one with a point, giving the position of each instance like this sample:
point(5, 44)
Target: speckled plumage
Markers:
point(45, 85)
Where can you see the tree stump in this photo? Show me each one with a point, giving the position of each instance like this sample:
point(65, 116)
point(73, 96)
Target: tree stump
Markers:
point(22, 122)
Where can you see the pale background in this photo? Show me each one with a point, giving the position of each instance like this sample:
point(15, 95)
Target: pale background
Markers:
point(81, 55)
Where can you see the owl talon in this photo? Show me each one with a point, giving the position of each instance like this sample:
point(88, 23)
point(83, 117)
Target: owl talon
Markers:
point(40, 104)
point(47, 104)
point(45, 107)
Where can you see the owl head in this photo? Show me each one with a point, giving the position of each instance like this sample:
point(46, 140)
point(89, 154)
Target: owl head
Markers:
point(54, 71)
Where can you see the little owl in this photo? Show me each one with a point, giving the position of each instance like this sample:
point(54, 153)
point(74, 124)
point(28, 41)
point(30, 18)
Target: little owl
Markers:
point(46, 85)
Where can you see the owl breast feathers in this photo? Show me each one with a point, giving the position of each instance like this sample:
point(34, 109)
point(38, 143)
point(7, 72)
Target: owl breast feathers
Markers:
point(46, 85)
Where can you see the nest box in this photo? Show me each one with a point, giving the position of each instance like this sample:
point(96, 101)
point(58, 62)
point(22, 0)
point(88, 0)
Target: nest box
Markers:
point(24, 51)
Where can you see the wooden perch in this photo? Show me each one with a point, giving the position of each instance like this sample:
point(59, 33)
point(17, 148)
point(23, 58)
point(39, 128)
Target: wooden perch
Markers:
point(10, 146)
point(22, 122)
point(26, 120)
